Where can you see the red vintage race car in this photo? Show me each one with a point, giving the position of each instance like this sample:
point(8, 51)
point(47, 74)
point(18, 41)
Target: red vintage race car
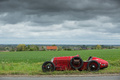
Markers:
point(74, 63)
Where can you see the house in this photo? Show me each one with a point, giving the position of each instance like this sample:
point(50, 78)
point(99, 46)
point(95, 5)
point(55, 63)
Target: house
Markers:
point(51, 47)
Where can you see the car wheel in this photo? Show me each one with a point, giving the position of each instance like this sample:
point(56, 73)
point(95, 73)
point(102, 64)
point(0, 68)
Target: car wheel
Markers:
point(48, 66)
point(93, 66)
point(76, 62)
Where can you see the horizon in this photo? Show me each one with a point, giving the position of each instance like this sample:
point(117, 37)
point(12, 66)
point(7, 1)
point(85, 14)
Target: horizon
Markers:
point(64, 44)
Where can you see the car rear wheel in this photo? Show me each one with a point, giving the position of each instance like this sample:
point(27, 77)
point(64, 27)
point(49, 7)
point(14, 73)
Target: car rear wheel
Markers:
point(76, 62)
point(48, 66)
point(93, 66)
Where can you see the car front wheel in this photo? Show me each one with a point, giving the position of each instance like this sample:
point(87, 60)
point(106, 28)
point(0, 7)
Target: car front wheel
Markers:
point(48, 66)
point(93, 66)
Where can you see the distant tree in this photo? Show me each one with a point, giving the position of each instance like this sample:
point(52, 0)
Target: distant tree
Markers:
point(12, 49)
point(21, 47)
point(59, 48)
point(110, 47)
point(84, 47)
point(68, 49)
point(35, 48)
point(32, 48)
point(80, 48)
point(98, 47)
point(28, 47)
point(6, 48)
point(43, 48)
point(53, 45)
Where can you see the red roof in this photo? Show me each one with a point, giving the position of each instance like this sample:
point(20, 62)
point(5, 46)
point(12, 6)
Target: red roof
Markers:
point(51, 47)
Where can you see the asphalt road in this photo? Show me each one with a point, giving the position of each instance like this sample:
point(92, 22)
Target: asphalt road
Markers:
point(63, 78)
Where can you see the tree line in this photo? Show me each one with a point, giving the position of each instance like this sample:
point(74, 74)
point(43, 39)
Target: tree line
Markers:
point(23, 47)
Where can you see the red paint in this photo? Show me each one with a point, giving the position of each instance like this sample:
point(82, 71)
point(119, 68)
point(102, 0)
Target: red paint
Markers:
point(102, 62)
point(63, 63)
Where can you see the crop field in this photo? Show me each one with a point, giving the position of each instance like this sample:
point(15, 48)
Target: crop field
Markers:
point(30, 62)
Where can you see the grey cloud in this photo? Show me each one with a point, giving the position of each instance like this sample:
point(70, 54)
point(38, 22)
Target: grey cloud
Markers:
point(3, 0)
point(13, 18)
point(49, 12)
point(66, 5)
point(60, 5)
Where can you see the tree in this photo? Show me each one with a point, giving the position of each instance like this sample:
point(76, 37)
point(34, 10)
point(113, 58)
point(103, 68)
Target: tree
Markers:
point(42, 48)
point(6, 48)
point(59, 48)
point(84, 47)
point(21, 47)
point(28, 47)
point(98, 47)
point(33, 48)
point(53, 45)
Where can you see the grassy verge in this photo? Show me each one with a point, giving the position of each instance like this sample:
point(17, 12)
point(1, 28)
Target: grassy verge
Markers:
point(29, 63)
point(35, 69)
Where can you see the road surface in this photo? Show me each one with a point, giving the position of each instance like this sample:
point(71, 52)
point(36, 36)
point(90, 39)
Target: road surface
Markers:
point(63, 78)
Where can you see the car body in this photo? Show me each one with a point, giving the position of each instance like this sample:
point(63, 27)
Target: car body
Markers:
point(74, 63)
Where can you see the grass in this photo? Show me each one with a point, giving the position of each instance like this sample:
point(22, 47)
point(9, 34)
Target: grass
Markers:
point(30, 62)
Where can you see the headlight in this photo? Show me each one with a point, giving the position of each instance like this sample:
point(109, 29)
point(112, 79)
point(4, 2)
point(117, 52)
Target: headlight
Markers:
point(52, 59)
point(103, 64)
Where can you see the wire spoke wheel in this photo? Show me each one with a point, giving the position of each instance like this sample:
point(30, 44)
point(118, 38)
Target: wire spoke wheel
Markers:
point(48, 67)
point(93, 66)
point(76, 62)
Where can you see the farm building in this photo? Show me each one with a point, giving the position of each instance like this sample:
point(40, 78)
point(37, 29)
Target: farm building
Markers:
point(51, 47)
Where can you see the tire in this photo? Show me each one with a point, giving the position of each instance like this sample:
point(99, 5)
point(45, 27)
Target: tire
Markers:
point(76, 65)
point(93, 66)
point(48, 66)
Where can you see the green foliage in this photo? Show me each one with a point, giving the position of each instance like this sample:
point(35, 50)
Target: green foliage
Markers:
point(68, 49)
point(6, 48)
point(53, 45)
point(43, 49)
point(59, 48)
point(3, 65)
point(41, 56)
point(30, 62)
point(21, 47)
point(33, 48)
point(98, 47)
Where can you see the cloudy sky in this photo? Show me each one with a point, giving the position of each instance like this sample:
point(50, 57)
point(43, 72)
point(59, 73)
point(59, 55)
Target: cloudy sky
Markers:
point(60, 22)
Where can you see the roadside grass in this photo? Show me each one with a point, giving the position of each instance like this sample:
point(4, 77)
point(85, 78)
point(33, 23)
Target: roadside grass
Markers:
point(29, 63)
point(35, 69)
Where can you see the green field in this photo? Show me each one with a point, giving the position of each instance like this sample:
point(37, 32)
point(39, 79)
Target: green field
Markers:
point(30, 62)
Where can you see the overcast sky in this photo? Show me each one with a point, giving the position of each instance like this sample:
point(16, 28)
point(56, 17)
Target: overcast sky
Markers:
point(60, 22)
